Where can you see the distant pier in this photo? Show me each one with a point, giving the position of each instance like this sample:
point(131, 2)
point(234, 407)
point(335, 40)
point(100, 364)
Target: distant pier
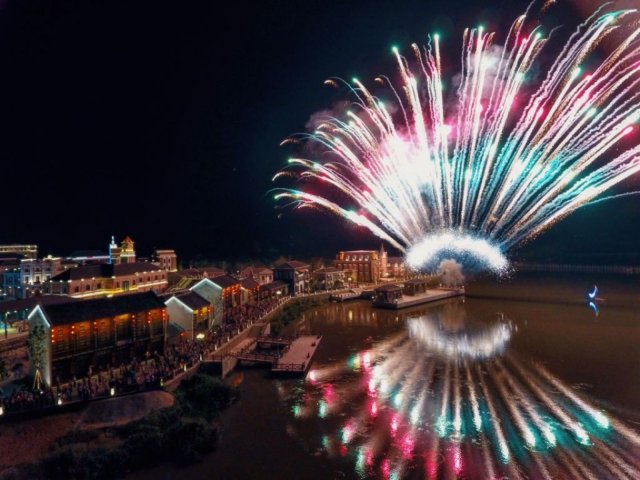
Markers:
point(396, 297)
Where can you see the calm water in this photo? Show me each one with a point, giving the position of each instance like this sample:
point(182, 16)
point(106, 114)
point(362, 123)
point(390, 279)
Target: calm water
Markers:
point(521, 379)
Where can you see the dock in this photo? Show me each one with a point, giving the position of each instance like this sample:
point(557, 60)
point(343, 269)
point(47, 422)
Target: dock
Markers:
point(282, 355)
point(431, 295)
point(297, 359)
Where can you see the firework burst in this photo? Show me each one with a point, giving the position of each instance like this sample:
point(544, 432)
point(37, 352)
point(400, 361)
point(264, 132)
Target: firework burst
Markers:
point(474, 176)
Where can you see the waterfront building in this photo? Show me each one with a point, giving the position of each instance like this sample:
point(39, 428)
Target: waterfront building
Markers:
point(191, 313)
point(224, 295)
point(250, 290)
point(328, 278)
point(166, 259)
point(262, 275)
point(365, 265)
point(90, 281)
point(98, 332)
point(396, 267)
point(296, 274)
point(415, 286)
point(387, 294)
point(27, 251)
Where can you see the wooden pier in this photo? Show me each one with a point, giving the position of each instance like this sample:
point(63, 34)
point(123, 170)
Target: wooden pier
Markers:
point(293, 359)
point(297, 359)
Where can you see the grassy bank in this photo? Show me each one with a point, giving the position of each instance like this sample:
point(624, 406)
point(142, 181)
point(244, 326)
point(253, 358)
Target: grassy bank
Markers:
point(292, 312)
point(182, 433)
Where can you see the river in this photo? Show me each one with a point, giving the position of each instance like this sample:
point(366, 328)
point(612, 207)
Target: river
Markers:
point(522, 378)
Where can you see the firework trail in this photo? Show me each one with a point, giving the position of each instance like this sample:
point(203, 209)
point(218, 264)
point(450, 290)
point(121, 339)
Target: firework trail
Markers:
point(410, 409)
point(475, 173)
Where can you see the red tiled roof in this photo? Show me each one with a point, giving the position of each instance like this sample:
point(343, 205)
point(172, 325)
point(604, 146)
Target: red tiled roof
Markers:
point(225, 281)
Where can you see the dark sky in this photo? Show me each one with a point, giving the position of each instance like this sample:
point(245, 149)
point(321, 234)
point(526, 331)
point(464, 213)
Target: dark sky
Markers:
point(162, 120)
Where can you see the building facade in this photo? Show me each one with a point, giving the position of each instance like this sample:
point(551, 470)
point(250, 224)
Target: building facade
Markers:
point(396, 267)
point(223, 293)
point(12, 284)
point(262, 275)
point(125, 253)
point(250, 290)
point(328, 278)
point(35, 272)
point(296, 274)
point(190, 312)
point(99, 332)
point(365, 265)
point(91, 281)
point(28, 251)
point(166, 259)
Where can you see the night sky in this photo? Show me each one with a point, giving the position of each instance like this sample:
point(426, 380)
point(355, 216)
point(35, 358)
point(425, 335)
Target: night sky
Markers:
point(162, 121)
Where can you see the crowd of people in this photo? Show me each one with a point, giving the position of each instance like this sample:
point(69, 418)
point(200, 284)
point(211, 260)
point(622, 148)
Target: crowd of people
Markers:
point(139, 375)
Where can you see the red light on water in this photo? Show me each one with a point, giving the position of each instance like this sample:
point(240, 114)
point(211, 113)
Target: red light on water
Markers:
point(386, 468)
point(329, 394)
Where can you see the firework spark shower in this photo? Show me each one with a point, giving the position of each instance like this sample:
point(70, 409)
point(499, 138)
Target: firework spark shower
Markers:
point(471, 173)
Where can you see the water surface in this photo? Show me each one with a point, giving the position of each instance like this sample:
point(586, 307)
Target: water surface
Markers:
point(520, 379)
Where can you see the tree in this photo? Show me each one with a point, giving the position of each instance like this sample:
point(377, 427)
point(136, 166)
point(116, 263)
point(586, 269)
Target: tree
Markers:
point(36, 344)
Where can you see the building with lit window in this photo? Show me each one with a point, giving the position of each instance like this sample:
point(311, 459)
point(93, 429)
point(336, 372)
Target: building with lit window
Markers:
point(125, 253)
point(366, 266)
point(250, 290)
point(166, 259)
point(190, 312)
point(396, 267)
point(34, 272)
point(99, 332)
point(27, 251)
point(328, 278)
point(91, 281)
point(297, 275)
point(224, 293)
point(12, 284)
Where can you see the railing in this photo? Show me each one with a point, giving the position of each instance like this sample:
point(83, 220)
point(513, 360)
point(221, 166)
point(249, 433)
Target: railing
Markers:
point(288, 367)
point(255, 357)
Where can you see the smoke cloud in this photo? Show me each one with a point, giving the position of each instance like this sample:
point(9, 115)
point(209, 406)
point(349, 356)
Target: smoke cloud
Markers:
point(450, 273)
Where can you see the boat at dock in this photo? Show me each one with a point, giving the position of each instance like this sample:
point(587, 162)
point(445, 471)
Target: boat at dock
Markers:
point(411, 293)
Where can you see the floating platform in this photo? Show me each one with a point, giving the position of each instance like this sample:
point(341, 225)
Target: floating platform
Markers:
point(431, 295)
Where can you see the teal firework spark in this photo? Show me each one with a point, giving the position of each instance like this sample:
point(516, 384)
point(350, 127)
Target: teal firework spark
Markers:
point(498, 164)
